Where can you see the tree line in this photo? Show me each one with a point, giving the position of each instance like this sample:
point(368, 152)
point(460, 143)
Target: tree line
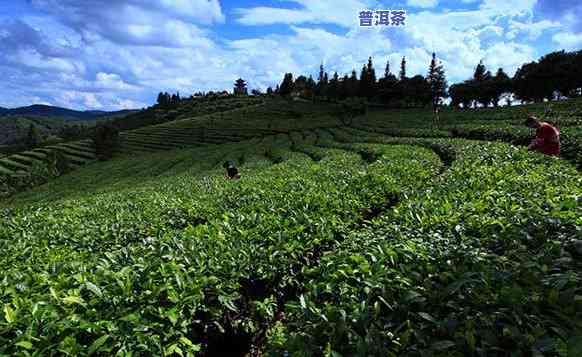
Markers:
point(390, 89)
point(167, 100)
point(483, 89)
point(557, 75)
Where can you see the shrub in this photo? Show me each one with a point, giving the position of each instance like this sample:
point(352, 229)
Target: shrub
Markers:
point(38, 174)
point(106, 141)
point(58, 164)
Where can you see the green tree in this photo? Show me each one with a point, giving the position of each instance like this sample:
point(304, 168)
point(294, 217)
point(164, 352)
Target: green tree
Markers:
point(415, 91)
point(501, 84)
point(371, 80)
point(287, 85)
point(402, 74)
point(33, 137)
point(322, 82)
point(387, 86)
point(311, 85)
point(300, 86)
point(106, 141)
point(387, 69)
point(344, 83)
point(363, 83)
point(463, 94)
point(352, 85)
point(334, 86)
point(437, 81)
point(161, 99)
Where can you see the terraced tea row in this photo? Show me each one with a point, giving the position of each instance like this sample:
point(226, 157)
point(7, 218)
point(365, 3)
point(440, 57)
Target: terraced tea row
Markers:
point(488, 124)
point(76, 154)
point(229, 126)
point(183, 133)
point(186, 109)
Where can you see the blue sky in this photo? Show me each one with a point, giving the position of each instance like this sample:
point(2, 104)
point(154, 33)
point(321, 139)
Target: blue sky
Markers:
point(117, 54)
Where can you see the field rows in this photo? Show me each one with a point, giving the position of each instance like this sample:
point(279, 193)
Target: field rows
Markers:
point(77, 154)
point(180, 134)
point(325, 223)
point(336, 241)
point(264, 161)
point(230, 126)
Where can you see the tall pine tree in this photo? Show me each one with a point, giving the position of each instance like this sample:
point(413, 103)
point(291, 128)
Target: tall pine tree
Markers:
point(364, 80)
point(371, 85)
point(287, 86)
point(437, 81)
point(311, 87)
point(33, 137)
point(344, 87)
point(352, 85)
point(334, 86)
point(402, 74)
point(322, 80)
point(501, 84)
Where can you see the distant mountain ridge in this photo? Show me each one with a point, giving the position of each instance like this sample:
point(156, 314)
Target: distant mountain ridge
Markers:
point(48, 111)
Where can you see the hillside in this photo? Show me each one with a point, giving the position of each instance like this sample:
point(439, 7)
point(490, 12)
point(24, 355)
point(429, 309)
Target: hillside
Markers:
point(49, 121)
point(47, 111)
point(22, 168)
point(14, 131)
point(440, 243)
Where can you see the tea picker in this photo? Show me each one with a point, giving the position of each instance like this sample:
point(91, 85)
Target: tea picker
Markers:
point(231, 171)
point(547, 138)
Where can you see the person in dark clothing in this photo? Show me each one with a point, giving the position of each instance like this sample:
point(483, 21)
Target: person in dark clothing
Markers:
point(231, 171)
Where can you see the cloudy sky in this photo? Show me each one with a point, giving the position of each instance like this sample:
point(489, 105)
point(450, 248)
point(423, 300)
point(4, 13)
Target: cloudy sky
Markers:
point(116, 54)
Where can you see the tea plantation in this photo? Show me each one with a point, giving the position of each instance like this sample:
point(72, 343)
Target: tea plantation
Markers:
point(388, 237)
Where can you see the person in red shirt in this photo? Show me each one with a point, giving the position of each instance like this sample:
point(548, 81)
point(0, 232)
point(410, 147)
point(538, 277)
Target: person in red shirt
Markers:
point(547, 138)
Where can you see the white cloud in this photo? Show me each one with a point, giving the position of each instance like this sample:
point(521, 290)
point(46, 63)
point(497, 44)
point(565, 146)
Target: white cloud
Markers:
point(144, 22)
point(122, 104)
point(78, 100)
point(508, 7)
point(112, 81)
point(531, 29)
point(33, 60)
point(568, 41)
point(509, 56)
point(340, 12)
point(204, 11)
point(423, 3)
point(199, 11)
point(96, 101)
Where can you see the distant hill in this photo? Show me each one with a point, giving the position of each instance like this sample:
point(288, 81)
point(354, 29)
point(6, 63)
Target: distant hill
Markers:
point(48, 111)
